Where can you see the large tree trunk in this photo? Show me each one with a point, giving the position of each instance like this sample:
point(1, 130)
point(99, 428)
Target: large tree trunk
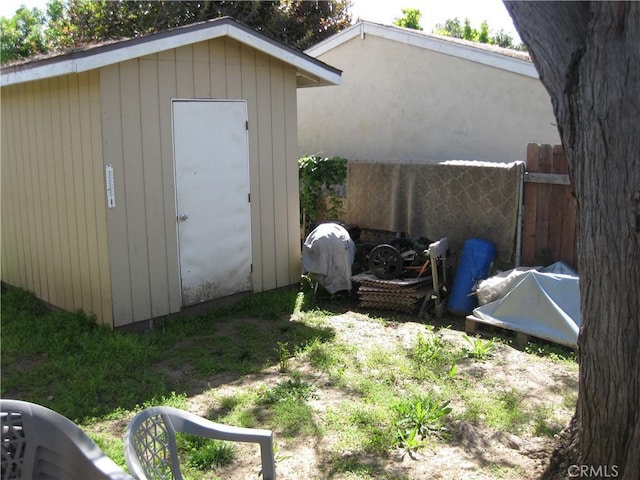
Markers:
point(588, 57)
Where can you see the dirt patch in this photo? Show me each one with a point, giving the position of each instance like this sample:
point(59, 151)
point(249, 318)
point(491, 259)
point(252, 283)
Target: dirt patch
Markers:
point(471, 452)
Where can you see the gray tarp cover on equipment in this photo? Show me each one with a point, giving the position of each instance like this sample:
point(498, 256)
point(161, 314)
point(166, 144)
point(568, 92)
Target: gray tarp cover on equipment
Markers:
point(543, 304)
point(327, 254)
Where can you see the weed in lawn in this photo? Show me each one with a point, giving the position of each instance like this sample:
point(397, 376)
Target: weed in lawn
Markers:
point(229, 402)
point(544, 422)
point(283, 356)
point(352, 466)
point(292, 418)
point(478, 349)
point(375, 373)
point(433, 357)
point(269, 305)
point(556, 353)
point(387, 365)
point(569, 400)
point(249, 418)
point(285, 407)
point(420, 417)
point(250, 350)
point(203, 453)
point(173, 399)
point(365, 427)
point(502, 410)
point(325, 356)
point(293, 389)
point(506, 471)
point(112, 447)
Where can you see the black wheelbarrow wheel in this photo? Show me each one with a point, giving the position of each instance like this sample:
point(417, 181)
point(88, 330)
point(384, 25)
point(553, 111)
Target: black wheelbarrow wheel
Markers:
point(385, 262)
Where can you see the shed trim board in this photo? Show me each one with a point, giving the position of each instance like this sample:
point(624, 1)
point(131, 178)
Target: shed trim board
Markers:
point(309, 70)
point(63, 133)
point(487, 55)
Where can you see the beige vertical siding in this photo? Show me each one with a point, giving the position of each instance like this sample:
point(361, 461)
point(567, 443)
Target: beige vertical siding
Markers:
point(137, 136)
point(54, 230)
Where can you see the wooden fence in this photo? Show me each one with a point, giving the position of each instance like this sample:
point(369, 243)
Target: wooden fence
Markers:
point(549, 223)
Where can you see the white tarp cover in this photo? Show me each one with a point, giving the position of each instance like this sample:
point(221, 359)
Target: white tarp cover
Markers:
point(542, 304)
point(327, 254)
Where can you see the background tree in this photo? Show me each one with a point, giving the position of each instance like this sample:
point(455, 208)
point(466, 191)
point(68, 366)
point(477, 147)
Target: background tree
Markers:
point(73, 23)
point(588, 58)
point(450, 28)
point(453, 28)
point(21, 36)
point(410, 19)
point(482, 35)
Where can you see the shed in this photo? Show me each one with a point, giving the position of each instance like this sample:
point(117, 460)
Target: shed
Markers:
point(411, 96)
point(149, 174)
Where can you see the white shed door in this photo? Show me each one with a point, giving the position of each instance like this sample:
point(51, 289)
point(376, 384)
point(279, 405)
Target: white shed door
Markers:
point(212, 189)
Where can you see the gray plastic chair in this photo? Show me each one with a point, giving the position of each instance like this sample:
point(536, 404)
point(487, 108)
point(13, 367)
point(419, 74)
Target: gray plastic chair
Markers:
point(150, 442)
point(38, 443)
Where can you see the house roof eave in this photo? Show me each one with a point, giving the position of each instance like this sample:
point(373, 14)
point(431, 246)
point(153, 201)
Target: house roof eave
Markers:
point(492, 56)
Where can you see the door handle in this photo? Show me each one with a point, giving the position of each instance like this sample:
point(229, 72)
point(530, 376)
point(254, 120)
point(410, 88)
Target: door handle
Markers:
point(182, 218)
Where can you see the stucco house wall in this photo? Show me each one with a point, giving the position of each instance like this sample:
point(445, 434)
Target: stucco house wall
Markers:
point(409, 96)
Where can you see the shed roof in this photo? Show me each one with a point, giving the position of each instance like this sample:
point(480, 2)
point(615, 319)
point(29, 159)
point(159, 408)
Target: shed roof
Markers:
point(502, 58)
point(310, 71)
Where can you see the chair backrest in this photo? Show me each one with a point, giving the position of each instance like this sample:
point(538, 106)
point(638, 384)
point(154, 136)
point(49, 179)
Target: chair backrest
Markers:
point(150, 446)
point(38, 443)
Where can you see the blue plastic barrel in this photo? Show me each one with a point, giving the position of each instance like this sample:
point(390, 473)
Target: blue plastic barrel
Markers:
point(477, 256)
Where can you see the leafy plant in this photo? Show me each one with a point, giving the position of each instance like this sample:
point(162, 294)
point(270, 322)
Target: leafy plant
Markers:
point(478, 348)
point(431, 348)
point(434, 356)
point(318, 176)
point(420, 417)
point(410, 441)
point(283, 355)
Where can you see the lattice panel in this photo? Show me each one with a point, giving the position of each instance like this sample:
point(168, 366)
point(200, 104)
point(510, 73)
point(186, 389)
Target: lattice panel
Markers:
point(14, 444)
point(151, 444)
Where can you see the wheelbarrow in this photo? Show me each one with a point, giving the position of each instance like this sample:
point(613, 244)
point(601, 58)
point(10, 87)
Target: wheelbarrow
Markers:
point(403, 256)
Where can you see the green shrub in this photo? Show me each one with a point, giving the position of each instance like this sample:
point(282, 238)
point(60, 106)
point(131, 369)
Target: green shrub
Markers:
point(317, 176)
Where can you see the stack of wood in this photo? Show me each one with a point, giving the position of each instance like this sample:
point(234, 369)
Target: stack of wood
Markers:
point(402, 295)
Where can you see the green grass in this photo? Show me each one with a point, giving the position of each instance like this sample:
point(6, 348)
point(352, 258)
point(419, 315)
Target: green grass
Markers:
point(556, 353)
point(105, 370)
point(67, 362)
point(205, 454)
point(392, 397)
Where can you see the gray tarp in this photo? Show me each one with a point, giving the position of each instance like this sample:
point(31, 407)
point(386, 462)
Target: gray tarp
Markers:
point(542, 304)
point(327, 254)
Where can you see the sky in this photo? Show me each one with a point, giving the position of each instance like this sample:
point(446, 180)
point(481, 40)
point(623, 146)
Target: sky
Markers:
point(385, 11)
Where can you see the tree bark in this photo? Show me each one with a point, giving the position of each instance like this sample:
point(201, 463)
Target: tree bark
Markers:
point(588, 58)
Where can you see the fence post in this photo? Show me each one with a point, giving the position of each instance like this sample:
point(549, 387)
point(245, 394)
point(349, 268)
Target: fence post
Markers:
point(549, 230)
